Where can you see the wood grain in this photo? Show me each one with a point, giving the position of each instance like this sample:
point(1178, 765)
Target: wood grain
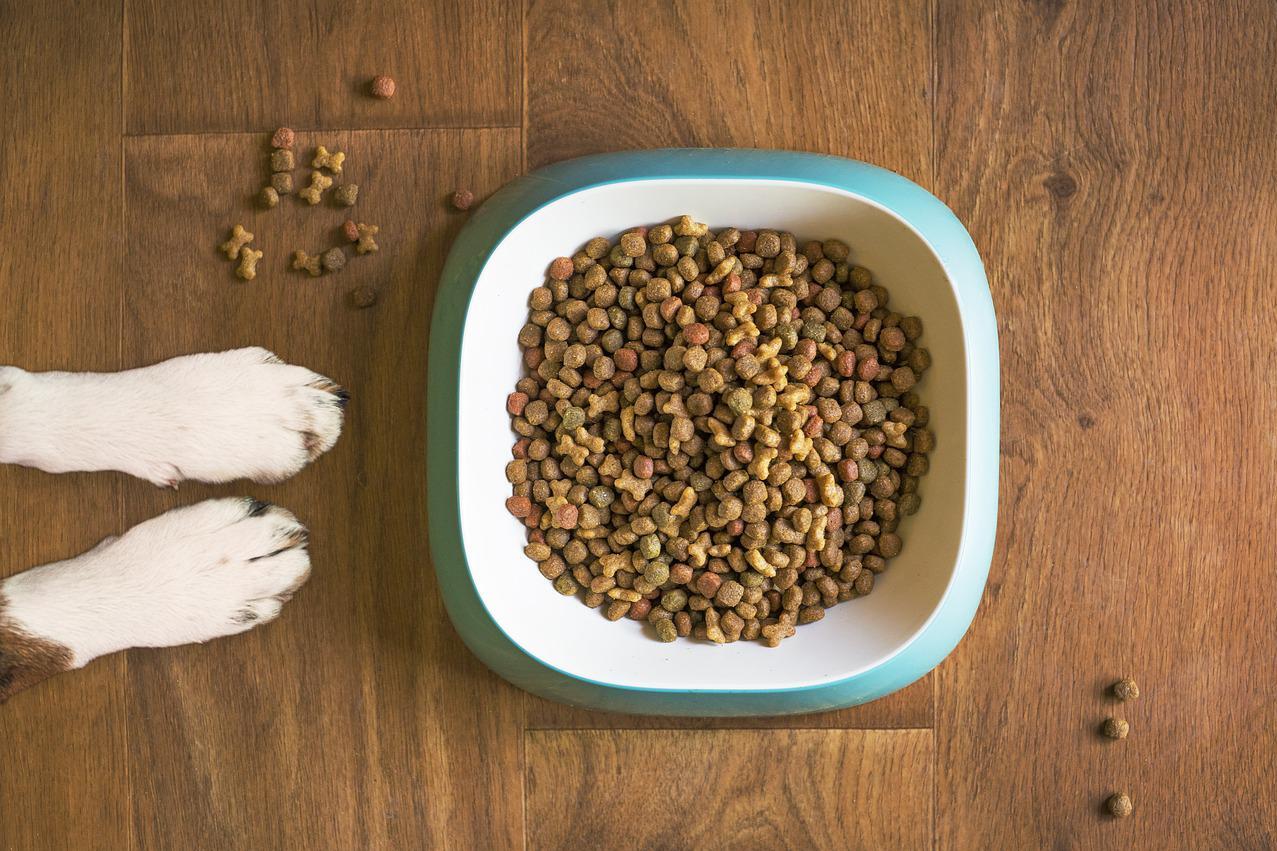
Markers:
point(214, 66)
point(64, 741)
point(1116, 165)
point(812, 75)
point(359, 714)
point(729, 789)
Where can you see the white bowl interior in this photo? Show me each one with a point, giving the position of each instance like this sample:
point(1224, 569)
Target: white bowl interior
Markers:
point(854, 636)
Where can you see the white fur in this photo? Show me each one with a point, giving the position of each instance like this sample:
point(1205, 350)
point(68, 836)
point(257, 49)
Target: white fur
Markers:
point(216, 568)
point(207, 417)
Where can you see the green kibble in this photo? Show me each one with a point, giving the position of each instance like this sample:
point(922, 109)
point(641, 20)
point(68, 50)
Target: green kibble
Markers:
point(665, 630)
point(674, 601)
point(657, 573)
point(566, 585)
point(739, 400)
point(649, 546)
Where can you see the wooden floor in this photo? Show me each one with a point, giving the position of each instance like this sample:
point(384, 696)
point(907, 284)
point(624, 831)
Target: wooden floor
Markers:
point(1116, 164)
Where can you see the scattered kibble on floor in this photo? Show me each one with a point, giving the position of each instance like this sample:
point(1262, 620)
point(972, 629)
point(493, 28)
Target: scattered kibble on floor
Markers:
point(331, 161)
point(282, 182)
point(247, 268)
point(268, 197)
point(318, 183)
point(239, 238)
point(364, 296)
point(347, 194)
point(1119, 805)
point(282, 159)
point(382, 87)
point(366, 244)
point(333, 259)
point(350, 230)
point(1116, 728)
point(283, 138)
point(1126, 689)
point(311, 264)
point(462, 199)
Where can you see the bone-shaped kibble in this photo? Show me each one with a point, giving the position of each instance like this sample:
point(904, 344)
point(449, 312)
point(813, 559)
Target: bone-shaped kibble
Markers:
point(248, 263)
point(302, 260)
point(318, 183)
point(332, 161)
point(239, 238)
point(366, 244)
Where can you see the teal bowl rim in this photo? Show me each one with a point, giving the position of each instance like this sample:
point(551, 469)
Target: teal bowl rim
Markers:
point(517, 200)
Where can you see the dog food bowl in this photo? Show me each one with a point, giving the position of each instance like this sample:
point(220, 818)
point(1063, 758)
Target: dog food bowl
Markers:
point(550, 645)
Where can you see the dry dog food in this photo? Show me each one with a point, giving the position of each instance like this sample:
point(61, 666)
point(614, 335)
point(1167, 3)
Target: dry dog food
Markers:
point(332, 161)
point(1119, 805)
point(333, 259)
point(318, 183)
point(347, 194)
point(268, 197)
point(366, 243)
point(248, 258)
point(239, 238)
point(462, 199)
point(1115, 728)
point(283, 138)
point(350, 230)
point(364, 296)
point(1126, 689)
point(302, 260)
point(282, 182)
point(382, 87)
point(719, 433)
point(281, 159)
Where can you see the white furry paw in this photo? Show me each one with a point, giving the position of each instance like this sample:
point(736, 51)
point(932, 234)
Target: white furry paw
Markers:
point(217, 568)
point(208, 417)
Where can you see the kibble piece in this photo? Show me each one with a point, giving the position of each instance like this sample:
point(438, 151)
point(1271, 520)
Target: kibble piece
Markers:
point(282, 160)
point(347, 194)
point(350, 230)
point(324, 159)
point(462, 199)
point(333, 259)
point(282, 182)
point(239, 238)
point(268, 197)
point(1115, 728)
point(247, 268)
point(364, 296)
point(1119, 805)
point(382, 87)
point(302, 260)
point(366, 244)
point(1126, 689)
point(318, 183)
point(283, 138)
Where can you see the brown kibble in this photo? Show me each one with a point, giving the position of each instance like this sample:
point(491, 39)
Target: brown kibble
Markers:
point(519, 506)
point(1115, 728)
point(268, 197)
point(515, 403)
point(282, 182)
point(644, 467)
point(1119, 805)
point(247, 268)
point(364, 296)
point(1126, 689)
point(561, 268)
point(350, 230)
point(347, 194)
point(282, 160)
point(283, 138)
point(239, 238)
point(696, 334)
point(462, 199)
point(565, 516)
point(366, 244)
point(382, 87)
point(334, 259)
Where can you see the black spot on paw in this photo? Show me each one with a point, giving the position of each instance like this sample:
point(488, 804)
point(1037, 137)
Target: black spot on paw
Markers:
point(257, 507)
point(1060, 185)
point(245, 616)
point(1086, 421)
point(343, 397)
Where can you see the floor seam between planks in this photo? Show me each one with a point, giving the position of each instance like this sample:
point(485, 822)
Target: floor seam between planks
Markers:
point(301, 129)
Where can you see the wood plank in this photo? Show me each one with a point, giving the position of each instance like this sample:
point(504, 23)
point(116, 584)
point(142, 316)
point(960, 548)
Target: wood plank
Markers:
point(812, 75)
point(359, 714)
point(729, 789)
point(63, 742)
point(1114, 163)
point(912, 706)
point(213, 66)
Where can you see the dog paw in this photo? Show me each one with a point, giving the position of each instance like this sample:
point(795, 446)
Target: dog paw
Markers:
point(213, 569)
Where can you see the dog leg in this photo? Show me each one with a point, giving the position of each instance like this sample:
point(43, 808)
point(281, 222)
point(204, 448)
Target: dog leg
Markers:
point(216, 568)
point(209, 417)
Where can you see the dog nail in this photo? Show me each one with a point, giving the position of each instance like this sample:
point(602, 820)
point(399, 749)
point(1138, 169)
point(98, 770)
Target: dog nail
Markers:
point(343, 396)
